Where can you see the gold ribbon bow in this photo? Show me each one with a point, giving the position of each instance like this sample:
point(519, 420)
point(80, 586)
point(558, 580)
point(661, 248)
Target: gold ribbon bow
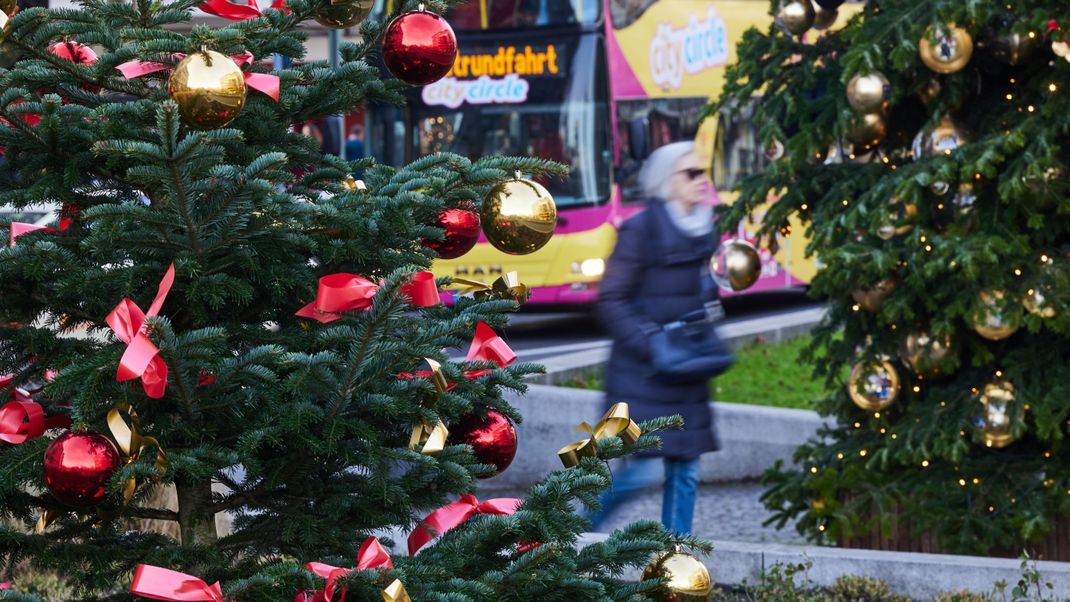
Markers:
point(133, 442)
point(507, 287)
point(431, 439)
point(395, 592)
point(614, 422)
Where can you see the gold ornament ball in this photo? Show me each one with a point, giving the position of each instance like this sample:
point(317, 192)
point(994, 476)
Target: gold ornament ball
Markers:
point(872, 299)
point(867, 131)
point(343, 14)
point(869, 92)
point(946, 49)
point(991, 319)
point(736, 265)
point(824, 18)
point(686, 578)
point(519, 216)
point(1038, 303)
point(928, 92)
point(795, 17)
point(1061, 49)
point(923, 353)
point(208, 88)
point(999, 410)
point(873, 385)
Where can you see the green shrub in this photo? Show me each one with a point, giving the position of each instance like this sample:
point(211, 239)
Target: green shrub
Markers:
point(851, 588)
point(963, 596)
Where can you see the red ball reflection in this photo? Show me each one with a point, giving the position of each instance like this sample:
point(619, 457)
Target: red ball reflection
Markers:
point(461, 233)
point(492, 437)
point(419, 47)
point(78, 466)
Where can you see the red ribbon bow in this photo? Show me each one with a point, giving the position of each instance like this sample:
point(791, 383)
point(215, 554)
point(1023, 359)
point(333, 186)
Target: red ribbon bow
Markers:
point(372, 555)
point(239, 10)
point(349, 292)
point(141, 358)
point(5, 585)
point(264, 82)
point(164, 584)
point(488, 346)
point(23, 419)
point(449, 516)
point(1053, 25)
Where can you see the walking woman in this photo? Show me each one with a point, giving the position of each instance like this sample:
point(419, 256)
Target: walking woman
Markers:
point(659, 271)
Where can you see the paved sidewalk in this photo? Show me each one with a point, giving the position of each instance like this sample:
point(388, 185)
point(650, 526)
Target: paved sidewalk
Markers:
point(725, 511)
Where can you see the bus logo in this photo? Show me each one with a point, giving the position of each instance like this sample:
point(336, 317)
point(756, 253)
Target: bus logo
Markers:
point(486, 78)
point(690, 50)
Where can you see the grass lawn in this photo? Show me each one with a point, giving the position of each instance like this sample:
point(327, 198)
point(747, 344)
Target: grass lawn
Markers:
point(764, 374)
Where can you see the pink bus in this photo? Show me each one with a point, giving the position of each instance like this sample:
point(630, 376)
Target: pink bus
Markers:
point(594, 84)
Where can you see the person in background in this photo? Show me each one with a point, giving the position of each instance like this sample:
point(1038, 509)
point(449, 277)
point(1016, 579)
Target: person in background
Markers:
point(355, 143)
point(658, 272)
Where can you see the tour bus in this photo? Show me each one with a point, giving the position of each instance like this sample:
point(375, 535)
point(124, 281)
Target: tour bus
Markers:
point(596, 85)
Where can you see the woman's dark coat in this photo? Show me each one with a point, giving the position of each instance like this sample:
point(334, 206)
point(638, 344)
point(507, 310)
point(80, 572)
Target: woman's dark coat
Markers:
point(655, 276)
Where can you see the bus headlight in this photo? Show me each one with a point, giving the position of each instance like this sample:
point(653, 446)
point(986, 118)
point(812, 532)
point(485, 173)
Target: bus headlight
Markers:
point(589, 267)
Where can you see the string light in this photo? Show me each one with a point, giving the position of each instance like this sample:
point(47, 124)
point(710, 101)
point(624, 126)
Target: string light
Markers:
point(839, 456)
point(876, 414)
point(804, 207)
point(862, 453)
point(1047, 454)
point(844, 202)
point(821, 528)
point(962, 482)
point(943, 403)
point(976, 481)
point(893, 435)
point(924, 463)
point(1017, 271)
point(917, 389)
point(1044, 258)
point(1053, 88)
point(857, 307)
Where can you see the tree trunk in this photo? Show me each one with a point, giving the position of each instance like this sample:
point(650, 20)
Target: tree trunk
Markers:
point(195, 519)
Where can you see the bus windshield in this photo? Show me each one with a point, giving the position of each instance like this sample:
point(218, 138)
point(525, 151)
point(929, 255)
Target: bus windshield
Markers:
point(557, 112)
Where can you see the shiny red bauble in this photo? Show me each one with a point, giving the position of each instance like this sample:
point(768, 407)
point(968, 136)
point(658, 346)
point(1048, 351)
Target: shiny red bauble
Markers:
point(73, 51)
point(419, 47)
point(461, 228)
point(492, 437)
point(78, 466)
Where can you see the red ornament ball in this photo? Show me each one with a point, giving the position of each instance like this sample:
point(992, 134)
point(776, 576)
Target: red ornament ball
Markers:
point(74, 52)
point(461, 227)
point(492, 437)
point(78, 466)
point(419, 47)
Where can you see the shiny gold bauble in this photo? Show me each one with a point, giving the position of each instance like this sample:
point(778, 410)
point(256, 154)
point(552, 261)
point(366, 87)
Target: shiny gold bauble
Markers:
point(992, 319)
point(686, 578)
point(1013, 48)
point(873, 385)
point(795, 17)
point(824, 18)
point(999, 411)
point(867, 131)
point(869, 92)
point(736, 265)
point(941, 139)
point(929, 92)
point(208, 88)
point(342, 14)
point(924, 353)
point(774, 151)
point(1037, 301)
point(897, 223)
point(872, 299)
point(946, 49)
point(519, 216)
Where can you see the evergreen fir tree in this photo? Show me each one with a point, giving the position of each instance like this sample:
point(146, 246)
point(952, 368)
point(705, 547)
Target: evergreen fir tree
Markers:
point(943, 217)
point(302, 427)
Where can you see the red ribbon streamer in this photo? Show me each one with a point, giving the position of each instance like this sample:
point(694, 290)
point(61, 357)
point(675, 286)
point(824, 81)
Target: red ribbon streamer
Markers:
point(141, 358)
point(372, 555)
point(348, 292)
point(449, 516)
point(164, 584)
point(233, 10)
point(263, 82)
point(65, 220)
point(488, 346)
point(5, 585)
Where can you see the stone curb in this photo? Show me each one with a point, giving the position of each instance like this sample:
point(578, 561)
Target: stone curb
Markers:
point(776, 329)
point(919, 576)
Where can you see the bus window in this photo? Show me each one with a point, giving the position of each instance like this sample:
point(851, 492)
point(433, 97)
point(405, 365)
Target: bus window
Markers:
point(663, 121)
point(625, 12)
point(737, 148)
point(512, 14)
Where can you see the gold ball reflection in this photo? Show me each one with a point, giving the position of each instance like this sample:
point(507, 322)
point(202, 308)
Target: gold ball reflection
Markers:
point(208, 88)
point(519, 217)
point(686, 578)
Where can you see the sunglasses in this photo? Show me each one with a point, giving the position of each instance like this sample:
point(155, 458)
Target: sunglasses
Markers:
point(693, 173)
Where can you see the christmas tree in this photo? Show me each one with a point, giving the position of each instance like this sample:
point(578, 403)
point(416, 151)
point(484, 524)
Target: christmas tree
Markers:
point(924, 147)
point(230, 327)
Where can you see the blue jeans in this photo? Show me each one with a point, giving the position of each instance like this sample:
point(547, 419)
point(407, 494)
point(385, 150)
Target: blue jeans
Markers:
point(678, 500)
